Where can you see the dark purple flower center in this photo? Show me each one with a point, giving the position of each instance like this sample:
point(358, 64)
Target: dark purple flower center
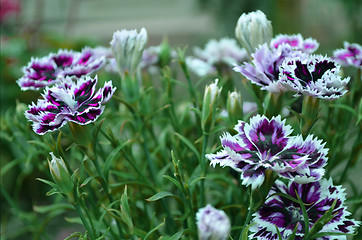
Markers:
point(302, 72)
point(63, 61)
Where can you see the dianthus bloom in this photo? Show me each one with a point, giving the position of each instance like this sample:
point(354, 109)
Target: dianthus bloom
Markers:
point(284, 213)
point(316, 76)
point(265, 144)
point(265, 68)
point(212, 224)
point(350, 55)
point(48, 70)
point(217, 55)
point(296, 41)
point(77, 102)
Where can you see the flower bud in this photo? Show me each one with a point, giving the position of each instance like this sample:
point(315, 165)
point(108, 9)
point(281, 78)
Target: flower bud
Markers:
point(234, 106)
point(212, 224)
point(253, 29)
point(127, 47)
point(211, 97)
point(61, 176)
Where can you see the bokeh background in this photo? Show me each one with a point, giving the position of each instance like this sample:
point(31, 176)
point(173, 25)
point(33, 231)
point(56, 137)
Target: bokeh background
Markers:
point(38, 27)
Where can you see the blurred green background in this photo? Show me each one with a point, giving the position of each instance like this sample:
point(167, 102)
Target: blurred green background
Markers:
point(36, 27)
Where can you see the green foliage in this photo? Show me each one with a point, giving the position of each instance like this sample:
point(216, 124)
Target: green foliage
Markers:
point(140, 171)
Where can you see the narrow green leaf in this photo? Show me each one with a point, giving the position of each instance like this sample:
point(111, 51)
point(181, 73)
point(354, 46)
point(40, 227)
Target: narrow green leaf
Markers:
point(176, 236)
point(125, 211)
point(53, 185)
point(292, 237)
point(324, 234)
point(304, 211)
point(174, 181)
point(124, 201)
point(74, 220)
point(196, 180)
point(278, 232)
point(359, 118)
point(159, 196)
point(285, 196)
point(85, 182)
point(154, 229)
point(188, 144)
point(246, 232)
point(53, 207)
point(318, 225)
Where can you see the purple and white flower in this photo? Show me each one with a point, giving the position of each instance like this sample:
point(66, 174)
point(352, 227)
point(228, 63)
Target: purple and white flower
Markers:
point(315, 76)
point(217, 55)
point(48, 70)
point(212, 224)
point(264, 70)
point(284, 213)
point(296, 41)
point(350, 55)
point(77, 102)
point(265, 144)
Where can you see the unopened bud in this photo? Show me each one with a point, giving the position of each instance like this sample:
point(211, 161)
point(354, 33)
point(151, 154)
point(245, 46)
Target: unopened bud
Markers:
point(61, 176)
point(127, 47)
point(234, 106)
point(212, 224)
point(211, 97)
point(253, 29)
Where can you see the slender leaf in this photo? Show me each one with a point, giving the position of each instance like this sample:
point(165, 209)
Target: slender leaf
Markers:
point(304, 211)
point(292, 237)
point(159, 196)
point(154, 229)
point(53, 207)
point(246, 232)
point(188, 144)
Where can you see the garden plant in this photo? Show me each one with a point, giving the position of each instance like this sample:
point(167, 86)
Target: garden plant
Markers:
point(251, 137)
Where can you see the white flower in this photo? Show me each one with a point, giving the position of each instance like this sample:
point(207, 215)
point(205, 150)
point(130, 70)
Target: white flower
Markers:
point(212, 224)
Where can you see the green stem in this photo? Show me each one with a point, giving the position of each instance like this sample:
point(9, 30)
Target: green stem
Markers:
point(88, 215)
point(106, 189)
point(203, 169)
point(84, 221)
point(247, 220)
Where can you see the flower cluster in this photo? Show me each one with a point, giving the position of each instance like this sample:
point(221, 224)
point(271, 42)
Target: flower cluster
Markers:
point(285, 214)
point(264, 70)
point(265, 144)
point(217, 56)
point(67, 100)
point(350, 55)
point(286, 65)
point(48, 70)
